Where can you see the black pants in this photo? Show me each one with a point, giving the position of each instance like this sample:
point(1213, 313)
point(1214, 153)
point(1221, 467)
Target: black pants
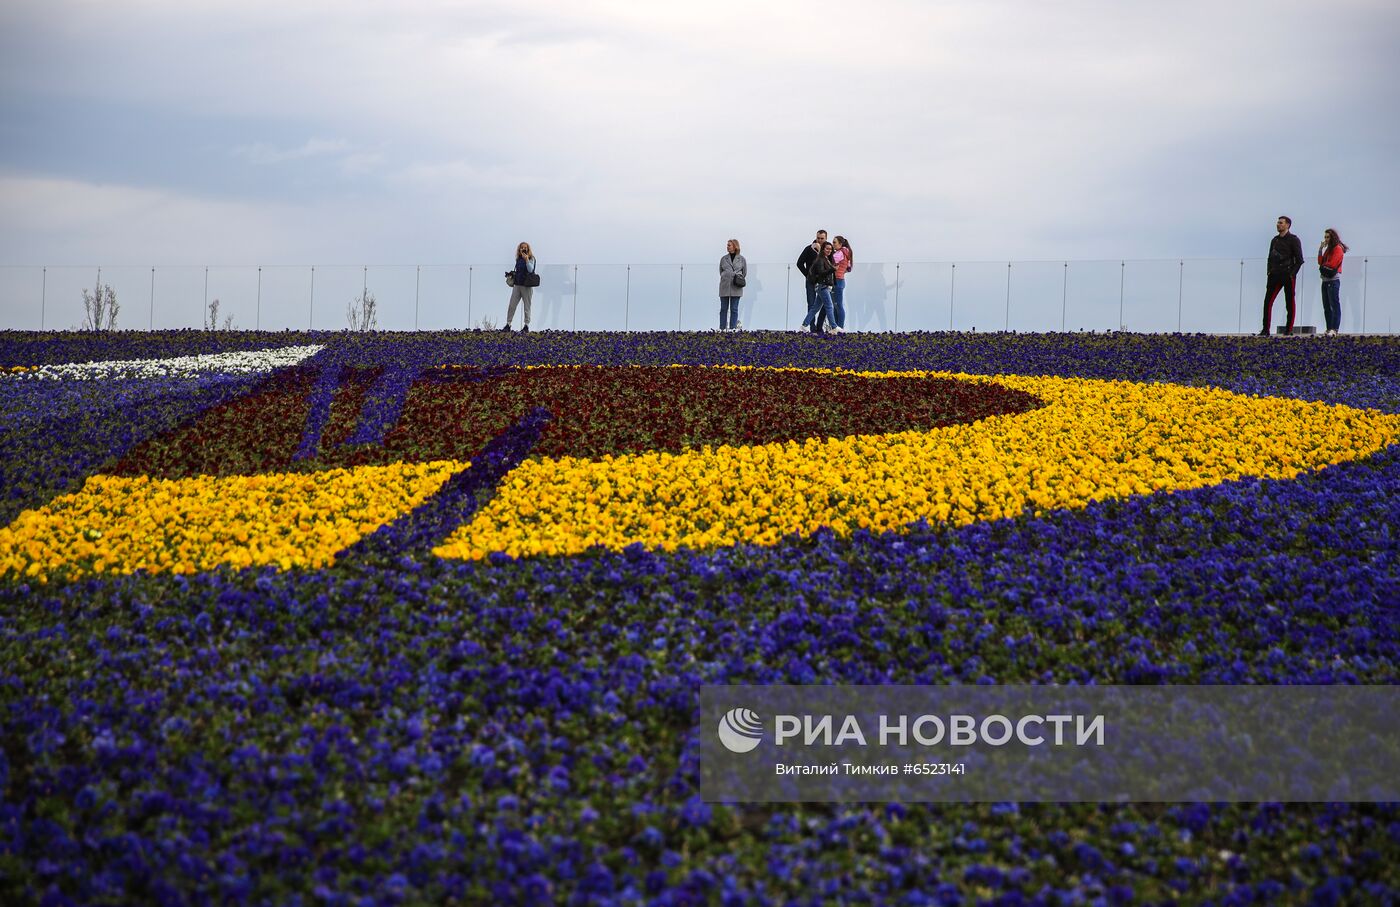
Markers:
point(1279, 282)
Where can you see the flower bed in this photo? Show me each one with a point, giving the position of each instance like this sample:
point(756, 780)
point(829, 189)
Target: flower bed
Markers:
point(401, 726)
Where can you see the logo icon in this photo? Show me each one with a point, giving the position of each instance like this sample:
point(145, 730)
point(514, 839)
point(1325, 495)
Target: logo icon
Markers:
point(740, 730)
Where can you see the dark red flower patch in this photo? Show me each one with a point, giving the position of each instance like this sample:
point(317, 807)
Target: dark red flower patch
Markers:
point(454, 413)
point(245, 435)
point(256, 433)
point(600, 411)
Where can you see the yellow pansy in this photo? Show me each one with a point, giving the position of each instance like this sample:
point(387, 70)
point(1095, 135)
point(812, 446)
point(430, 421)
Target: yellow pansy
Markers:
point(1093, 440)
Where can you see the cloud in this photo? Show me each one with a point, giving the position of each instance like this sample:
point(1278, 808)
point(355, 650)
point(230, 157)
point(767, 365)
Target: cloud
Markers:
point(617, 129)
point(464, 175)
point(65, 221)
point(349, 162)
point(262, 155)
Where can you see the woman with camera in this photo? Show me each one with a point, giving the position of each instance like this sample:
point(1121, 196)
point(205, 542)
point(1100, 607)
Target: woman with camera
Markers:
point(733, 275)
point(522, 282)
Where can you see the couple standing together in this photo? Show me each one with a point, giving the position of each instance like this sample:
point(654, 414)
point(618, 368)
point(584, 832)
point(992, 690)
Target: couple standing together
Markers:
point(1286, 260)
point(823, 264)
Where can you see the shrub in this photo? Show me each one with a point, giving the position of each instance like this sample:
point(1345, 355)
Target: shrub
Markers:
point(362, 312)
point(100, 308)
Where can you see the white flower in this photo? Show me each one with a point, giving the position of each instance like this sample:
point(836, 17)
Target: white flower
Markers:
point(235, 363)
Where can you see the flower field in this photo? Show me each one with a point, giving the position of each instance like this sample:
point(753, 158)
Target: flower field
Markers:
point(356, 619)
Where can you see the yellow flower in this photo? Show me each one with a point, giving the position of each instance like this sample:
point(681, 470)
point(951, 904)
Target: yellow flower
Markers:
point(118, 524)
point(1093, 440)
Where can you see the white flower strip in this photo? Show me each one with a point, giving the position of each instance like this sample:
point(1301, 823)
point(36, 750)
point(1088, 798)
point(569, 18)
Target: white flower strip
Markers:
point(237, 363)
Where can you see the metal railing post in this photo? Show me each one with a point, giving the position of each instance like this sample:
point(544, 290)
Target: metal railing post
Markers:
point(680, 299)
point(43, 297)
point(205, 314)
point(952, 287)
point(1006, 325)
point(1180, 277)
point(417, 282)
point(1239, 327)
point(1122, 276)
point(896, 297)
point(311, 305)
point(575, 328)
point(1064, 298)
point(627, 301)
point(470, 275)
point(787, 298)
point(1365, 280)
point(257, 316)
point(151, 318)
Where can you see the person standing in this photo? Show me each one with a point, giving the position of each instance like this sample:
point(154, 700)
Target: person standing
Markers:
point(821, 274)
point(842, 258)
point(733, 275)
point(1329, 264)
point(525, 278)
point(1285, 261)
point(809, 255)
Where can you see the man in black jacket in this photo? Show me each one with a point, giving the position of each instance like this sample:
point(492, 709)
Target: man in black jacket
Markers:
point(804, 264)
point(1285, 261)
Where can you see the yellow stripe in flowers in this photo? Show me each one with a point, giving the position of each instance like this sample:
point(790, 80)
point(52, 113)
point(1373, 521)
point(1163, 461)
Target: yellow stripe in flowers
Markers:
point(1093, 440)
point(119, 525)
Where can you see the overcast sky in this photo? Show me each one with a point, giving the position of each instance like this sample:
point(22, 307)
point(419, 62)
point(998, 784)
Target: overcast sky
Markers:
point(415, 131)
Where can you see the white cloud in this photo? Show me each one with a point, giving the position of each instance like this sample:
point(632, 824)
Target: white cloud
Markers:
point(69, 222)
point(621, 129)
point(263, 154)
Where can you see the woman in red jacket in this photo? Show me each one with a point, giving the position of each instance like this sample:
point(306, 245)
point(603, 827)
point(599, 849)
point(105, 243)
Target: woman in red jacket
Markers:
point(1329, 263)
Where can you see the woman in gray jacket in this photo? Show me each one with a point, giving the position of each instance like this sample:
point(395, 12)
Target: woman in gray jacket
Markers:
point(733, 274)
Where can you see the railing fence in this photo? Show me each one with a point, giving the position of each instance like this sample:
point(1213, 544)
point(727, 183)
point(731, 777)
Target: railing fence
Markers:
point(1191, 295)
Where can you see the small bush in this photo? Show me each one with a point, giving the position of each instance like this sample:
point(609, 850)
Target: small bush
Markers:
point(362, 312)
point(211, 318)
point(100, 308)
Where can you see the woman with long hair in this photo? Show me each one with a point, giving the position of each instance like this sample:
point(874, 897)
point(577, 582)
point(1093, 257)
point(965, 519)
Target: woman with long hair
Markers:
point(523, 281)
point(843, 259)
point(821, 274)
point(733, 274)
point(1329, 264)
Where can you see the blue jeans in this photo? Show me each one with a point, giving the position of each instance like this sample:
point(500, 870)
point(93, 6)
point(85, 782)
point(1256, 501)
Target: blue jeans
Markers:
point(1332, 304)
point(728, 312)
point(838, 303)
point(819, 309)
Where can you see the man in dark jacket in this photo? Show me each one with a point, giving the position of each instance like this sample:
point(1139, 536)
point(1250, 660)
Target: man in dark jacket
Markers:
point(1285, 261)
point(804, 264)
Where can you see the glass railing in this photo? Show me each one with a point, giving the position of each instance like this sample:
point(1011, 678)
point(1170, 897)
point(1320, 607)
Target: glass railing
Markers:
point(1189, 295)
